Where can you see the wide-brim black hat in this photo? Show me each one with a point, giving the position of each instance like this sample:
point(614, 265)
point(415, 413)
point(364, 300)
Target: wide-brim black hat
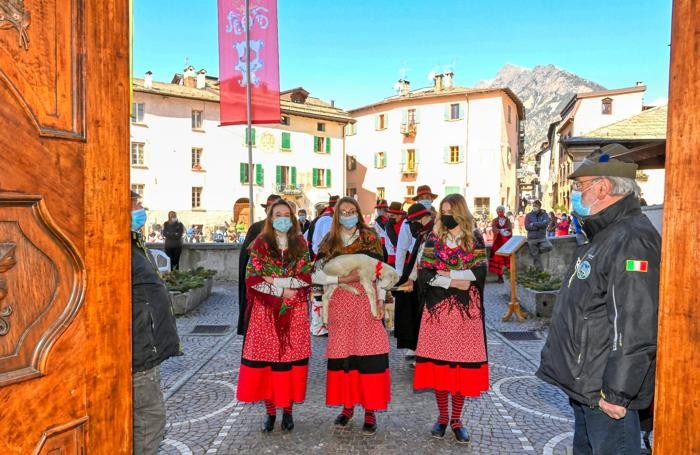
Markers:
point(422, 191)
point(395, 208)
point(417, 211)
point(270, 199)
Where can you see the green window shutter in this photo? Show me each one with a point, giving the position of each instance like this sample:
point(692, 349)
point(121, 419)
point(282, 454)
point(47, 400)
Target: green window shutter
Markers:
point(278, 174)
point(404, 156)
point(452, 190)
point(446, 154)
point(328, 178)
point(244, 176)
point(328, 145)
point(417, 115)
point(286, 141)
point(253, 136)
point(294, 175)
point(404, 116)
point(315, 177)
point(376, 160)
point(461, 153)
point(316, 144)
point(417, 156)
point(447, 111)
point(259, 174)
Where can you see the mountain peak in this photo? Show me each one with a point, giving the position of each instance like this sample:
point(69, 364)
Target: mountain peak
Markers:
point(543, 90)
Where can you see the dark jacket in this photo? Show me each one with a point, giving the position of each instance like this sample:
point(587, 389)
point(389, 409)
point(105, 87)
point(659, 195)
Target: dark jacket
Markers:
point(602, 341)
point(154, 332)
point(173, 233)
point(253, 232)
point(536, 225)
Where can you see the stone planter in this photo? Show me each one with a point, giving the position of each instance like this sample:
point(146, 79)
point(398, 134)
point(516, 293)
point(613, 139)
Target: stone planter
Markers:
point(184, 302)
point(537, 303)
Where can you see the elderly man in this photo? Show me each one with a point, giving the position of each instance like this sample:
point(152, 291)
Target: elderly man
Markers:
point(154, 338)
point(536, 223)
point(601, 349)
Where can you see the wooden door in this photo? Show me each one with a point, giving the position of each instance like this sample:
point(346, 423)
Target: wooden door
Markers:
point(65, 311)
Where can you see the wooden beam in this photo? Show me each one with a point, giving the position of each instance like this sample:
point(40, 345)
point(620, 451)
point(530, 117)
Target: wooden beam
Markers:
point(677, 411)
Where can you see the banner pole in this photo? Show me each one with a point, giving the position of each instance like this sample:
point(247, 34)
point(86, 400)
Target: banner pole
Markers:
point(249, 131)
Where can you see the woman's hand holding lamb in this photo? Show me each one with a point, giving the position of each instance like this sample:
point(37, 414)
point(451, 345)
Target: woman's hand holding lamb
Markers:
point(351, 277)
point(380, 310)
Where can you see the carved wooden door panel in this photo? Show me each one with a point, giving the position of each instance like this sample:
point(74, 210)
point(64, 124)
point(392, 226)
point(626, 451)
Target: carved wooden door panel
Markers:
point(65, 311)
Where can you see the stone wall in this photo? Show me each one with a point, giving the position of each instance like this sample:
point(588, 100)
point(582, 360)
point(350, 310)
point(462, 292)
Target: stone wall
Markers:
point(556, 261)
point(222, 257)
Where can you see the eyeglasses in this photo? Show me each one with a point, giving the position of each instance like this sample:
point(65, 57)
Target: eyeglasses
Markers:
point(348, 212)
point(578, 186)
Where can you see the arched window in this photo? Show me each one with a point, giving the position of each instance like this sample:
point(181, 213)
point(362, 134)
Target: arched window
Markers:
point(607, 106)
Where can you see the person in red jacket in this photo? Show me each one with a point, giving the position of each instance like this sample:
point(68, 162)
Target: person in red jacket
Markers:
point(563, 225)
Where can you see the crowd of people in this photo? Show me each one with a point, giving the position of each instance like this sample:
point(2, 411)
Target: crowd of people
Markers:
point(440, 255)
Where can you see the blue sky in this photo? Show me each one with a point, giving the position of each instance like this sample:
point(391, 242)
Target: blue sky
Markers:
point(354, 51)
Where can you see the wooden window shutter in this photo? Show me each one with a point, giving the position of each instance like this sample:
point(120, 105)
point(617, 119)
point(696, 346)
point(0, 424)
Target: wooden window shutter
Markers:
point(328, 178)
point(376, 122)
point(294, 175)
point(317, 142)
point(259, 174)
point(446, 154)
point(328, 145)
point(315, 177)
point(278, 174)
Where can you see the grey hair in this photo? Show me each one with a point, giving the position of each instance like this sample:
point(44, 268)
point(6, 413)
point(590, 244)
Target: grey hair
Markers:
point(623, 185)
point(500, 207)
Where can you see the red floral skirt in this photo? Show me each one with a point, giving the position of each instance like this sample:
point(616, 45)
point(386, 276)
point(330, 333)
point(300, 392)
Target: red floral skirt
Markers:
point(271, 370)
point(498, 263)
point(451, 352)
point(357, 352)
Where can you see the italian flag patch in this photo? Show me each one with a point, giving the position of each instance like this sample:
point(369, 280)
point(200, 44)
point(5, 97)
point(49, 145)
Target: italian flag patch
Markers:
point(636, 266)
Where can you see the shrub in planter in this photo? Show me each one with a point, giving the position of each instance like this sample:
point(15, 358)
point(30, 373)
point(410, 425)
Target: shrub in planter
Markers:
point(183, 281)
point(537, 280)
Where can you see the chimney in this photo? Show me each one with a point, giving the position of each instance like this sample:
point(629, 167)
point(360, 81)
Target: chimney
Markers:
point(148, 80)
point(448, 81)
point(404, 87)
point(640, 83)
point(332, 103)
point(201, 80)
point(438, 82)
point(188, 77)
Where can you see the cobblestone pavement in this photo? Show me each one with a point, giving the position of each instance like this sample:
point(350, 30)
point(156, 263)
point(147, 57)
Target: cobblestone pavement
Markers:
point(519, 415)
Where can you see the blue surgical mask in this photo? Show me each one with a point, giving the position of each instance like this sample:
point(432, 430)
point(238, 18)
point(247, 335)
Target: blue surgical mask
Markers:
point(577, 203)
point(282, 224)
point(138, 219)
point(302, 218)
point(426, 203)
point(348, 221)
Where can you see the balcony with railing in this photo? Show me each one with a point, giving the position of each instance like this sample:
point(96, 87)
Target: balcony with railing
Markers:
point(409, 129)
point(290, 188)
point(409, 171)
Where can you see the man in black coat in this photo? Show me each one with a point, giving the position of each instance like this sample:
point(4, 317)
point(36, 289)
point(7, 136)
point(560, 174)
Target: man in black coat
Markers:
point(601, 348)
point(536, 223)
point(154, 338)
point(254, 230)
point(173, 230)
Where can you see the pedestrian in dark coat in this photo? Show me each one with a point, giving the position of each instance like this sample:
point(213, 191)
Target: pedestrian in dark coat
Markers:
point(601, 348)
point(173, 231)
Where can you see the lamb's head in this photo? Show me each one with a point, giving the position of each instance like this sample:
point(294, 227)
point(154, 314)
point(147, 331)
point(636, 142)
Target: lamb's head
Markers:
point(387, 277)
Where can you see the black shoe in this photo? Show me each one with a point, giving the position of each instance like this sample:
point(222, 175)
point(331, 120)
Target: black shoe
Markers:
point(500, 280)
point(268, 423)
point(368, 429)
point(461, 435)
point(287, 422)
point(438, 430)
point(341, 420)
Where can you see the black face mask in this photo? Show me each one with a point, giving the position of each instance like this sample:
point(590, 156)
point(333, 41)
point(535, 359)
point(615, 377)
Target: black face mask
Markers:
point(449, 221)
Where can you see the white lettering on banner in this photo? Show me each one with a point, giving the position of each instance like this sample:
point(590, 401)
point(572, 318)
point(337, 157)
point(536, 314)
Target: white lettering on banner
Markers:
point(237, 23)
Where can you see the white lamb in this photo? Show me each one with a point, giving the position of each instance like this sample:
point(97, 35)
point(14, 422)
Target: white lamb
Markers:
point(367, 266)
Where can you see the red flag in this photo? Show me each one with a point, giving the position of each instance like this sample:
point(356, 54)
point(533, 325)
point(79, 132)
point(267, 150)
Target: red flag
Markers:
point(264, 61)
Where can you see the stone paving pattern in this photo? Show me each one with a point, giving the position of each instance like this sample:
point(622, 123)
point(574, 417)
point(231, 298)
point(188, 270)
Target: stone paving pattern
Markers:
point(520, 414)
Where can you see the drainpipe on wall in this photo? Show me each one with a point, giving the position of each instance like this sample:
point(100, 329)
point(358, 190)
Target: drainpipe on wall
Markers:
point(466, 153)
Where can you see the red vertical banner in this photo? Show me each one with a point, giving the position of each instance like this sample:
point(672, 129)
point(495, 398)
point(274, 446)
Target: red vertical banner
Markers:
point(264, 61)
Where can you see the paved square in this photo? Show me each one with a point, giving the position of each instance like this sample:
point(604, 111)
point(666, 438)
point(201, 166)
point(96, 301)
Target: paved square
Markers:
point(520, 414)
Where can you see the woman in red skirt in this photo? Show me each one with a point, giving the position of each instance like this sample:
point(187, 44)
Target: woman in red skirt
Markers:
point(502, 232)
point(276, 350)
point(358, 346)
point(451, 354)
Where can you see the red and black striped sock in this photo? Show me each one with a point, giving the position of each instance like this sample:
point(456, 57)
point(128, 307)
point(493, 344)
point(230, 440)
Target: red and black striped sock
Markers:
point(348, 412)
point(457, 405)
point(370, 418)
point(441, 398)
point(288, 409)
point(270, 408)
